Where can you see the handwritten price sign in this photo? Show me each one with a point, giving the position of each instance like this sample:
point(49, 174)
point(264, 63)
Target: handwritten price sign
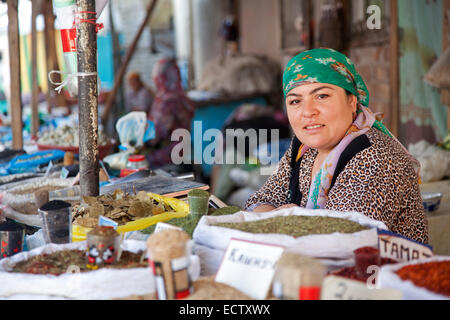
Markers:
point(339, 288)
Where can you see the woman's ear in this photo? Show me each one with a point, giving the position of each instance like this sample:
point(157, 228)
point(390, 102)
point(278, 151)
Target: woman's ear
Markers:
point(353, 101)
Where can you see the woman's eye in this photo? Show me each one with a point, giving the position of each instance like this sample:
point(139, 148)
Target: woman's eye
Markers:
point(294, 102)
point(322, 96)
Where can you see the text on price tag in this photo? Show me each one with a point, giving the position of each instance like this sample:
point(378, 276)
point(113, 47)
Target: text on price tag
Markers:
point(339, 288)
point(249, 266)
point(397, 247)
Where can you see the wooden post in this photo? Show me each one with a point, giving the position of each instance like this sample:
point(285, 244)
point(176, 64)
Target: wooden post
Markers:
point(445, 93)
point(118, 78)
point(50, 50)
point(394, 70)
point(14, 65)
point(88, 99)
point(34, 85)
point(116, 65)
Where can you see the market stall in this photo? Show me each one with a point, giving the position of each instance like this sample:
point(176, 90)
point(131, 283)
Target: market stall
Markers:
point(84, 215)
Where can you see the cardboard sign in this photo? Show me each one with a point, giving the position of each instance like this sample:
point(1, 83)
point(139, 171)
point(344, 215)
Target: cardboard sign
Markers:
point(339, 288)
point(400, 248)
point(164, 226)
point(249, 266)
point(104, 221)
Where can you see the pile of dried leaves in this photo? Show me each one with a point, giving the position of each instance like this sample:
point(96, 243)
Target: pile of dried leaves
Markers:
point(118, 206)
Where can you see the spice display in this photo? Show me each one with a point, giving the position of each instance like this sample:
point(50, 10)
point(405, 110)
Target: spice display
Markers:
point(118, 206)
point(350, 272)
point(187, 223)
point(297, 277)
point(47, 188)
point(59, 262)
point(102, 246)
point(31, 208)
point(68, 136)
point(169, 258)
point(56, 221)
point(296, 226)
point(225, 211)
point(433, 276)
point(12, 236)
point(41, 198)
point(364, 258)
point(206, 288)
point(198, 202)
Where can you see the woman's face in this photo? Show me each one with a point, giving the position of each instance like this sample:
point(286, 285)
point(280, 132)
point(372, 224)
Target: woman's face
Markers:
point(320, 114)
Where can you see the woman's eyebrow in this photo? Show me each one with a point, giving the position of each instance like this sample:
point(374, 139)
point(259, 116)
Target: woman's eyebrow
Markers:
point(310, 93)
point(319, 88)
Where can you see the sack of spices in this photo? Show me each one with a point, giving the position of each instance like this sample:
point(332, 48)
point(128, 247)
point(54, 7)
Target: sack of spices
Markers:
point(168, 252)
point(76, 280)
point(322, 234)
point(425, 279)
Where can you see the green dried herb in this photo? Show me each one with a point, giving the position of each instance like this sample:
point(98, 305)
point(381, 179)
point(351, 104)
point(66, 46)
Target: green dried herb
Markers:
point(187, 223)
point(198, 193)
point(226, 211)
point(296, 226)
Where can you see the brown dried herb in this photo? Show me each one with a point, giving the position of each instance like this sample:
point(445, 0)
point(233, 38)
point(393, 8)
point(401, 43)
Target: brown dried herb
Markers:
point(118, 206)
point(58, 262)
point(296, 226)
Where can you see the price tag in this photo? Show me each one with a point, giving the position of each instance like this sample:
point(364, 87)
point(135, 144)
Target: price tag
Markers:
point(249, 266)
point(64, 173)
point(400, 248)
point(164, 226)
point(339, 288)
point(104, 221)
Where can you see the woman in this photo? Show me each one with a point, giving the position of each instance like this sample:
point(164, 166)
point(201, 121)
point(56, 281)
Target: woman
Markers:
point(139, 97)
point(341, 157)
point(170, 110)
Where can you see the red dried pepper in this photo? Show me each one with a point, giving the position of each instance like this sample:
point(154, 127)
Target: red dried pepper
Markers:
point(434, 276)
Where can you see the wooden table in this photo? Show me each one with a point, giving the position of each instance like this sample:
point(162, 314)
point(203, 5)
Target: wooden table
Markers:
point(439, 221)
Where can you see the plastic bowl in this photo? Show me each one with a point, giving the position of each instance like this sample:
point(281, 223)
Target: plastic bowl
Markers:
point(431, 200)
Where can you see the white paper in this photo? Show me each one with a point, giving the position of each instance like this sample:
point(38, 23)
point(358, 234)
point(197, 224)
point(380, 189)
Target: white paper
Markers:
point(249, 267)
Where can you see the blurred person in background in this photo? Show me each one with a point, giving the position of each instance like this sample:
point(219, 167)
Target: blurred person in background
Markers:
point(139, 97)
point(171, 110)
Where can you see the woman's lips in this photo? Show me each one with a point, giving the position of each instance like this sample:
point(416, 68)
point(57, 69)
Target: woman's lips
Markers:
point(312, 128)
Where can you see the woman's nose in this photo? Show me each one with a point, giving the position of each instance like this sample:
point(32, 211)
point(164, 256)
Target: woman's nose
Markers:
point(309, 108)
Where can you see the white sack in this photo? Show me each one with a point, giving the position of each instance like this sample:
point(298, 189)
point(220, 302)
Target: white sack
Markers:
point(93, 285)
point(211, 241)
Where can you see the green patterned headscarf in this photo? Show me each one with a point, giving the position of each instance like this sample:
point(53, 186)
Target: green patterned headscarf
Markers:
point(323, 65)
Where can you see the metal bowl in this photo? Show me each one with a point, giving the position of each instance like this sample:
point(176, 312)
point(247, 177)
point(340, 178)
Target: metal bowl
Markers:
point(431, 200)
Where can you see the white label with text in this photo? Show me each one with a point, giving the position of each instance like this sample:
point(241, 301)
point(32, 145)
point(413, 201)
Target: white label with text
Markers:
point(249, 266)
point(339, 288)
point(399, 248)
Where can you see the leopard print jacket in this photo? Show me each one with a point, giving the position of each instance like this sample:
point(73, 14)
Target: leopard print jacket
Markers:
point(378, 181)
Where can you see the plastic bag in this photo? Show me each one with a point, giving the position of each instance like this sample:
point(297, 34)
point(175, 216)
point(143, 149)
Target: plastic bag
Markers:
point(181, 209)
point(134, 129)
